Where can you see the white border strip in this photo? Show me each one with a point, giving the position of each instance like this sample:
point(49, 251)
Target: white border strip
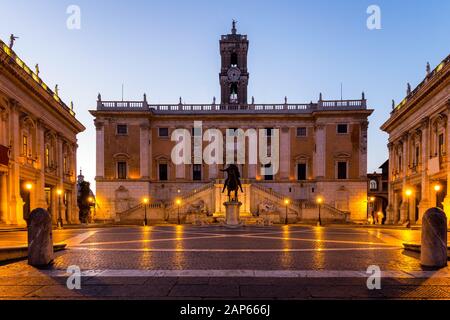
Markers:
point(445, 273)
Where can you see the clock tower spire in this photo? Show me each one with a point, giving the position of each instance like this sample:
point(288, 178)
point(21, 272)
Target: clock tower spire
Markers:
point(234, 74)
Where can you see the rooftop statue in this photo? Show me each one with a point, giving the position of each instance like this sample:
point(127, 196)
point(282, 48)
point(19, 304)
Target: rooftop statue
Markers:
point(12, 38)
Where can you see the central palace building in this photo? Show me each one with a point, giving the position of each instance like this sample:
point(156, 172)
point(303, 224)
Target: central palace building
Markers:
point(323, 155)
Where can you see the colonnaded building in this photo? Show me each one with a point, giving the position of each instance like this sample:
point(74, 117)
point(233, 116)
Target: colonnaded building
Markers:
point(37, 145)
point(323, 155)
point(419, 148)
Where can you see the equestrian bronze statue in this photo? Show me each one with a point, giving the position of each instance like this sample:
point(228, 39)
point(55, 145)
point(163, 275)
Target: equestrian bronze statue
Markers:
point(232, 183)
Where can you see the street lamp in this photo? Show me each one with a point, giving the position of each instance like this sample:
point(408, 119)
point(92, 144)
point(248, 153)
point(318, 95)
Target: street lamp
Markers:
point(28, 186)
point(437, 188)
point(370, 202)
point(59, 192)
point(178, 202)
point(145, 201)
point(286, 203)
point(319, 201)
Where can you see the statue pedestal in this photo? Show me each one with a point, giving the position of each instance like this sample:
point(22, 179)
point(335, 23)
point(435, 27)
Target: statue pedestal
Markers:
point(232, 214)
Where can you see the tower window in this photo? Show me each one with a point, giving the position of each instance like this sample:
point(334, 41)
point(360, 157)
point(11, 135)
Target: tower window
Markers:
point(234, 93)
point(234, 59)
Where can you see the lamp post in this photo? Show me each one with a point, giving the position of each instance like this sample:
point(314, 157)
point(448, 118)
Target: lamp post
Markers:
point(59, 192)
point(146, 201)
point(370, 202)
point(91, 202)
point(408, 194)
point(178, 202)
point(319, 202)
point(437, 188)
point(286, 203)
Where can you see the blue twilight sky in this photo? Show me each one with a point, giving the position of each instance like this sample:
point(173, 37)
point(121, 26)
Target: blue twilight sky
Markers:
point(170, 48)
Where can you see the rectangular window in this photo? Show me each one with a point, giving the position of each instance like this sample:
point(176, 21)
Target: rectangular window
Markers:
point(301, 132)
point(417, 155)
point(269, 175)
point(163, 132)
point(163, 176)
point(441, 145)
point(342, 128)
point(269, 132)
point(301, 171)
point(122, 129)
point(25, 145)
point(342, 170)
point(47, 156)
point(65, 164)
point(197, 172)
point(121, 170)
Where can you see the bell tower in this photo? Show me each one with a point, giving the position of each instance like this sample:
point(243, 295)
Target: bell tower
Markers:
point(234, 74)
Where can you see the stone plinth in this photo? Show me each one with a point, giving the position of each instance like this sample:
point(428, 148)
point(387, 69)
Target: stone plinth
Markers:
point(40, 239)
point(434, 239)
point(232, 209)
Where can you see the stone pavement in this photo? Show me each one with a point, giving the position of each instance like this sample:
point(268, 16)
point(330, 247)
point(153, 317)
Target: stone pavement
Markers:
point(185, 262)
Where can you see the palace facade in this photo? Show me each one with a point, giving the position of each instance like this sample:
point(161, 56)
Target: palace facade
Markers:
point(323, 154)
point(419, 148)
point(37, 146)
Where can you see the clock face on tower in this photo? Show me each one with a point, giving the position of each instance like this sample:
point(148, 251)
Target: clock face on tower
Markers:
point(234, 74)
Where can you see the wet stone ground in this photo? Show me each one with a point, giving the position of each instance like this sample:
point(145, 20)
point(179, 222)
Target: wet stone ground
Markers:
point(184, 262)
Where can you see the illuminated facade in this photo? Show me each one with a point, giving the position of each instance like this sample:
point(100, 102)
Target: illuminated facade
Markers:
point(37, 145)
point(323, 152)
point(419, 148)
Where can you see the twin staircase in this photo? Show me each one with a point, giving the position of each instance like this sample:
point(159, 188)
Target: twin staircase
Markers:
point(205, 198)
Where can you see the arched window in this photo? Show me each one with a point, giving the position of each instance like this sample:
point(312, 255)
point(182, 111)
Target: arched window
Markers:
point(373, 185)
point(234, 59)
point(234, 93)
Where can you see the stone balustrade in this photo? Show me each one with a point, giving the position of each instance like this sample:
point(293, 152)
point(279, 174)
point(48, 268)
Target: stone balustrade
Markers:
point(143, 106)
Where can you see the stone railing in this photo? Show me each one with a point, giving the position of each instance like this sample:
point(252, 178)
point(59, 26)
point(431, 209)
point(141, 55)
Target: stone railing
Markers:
point(323, 105)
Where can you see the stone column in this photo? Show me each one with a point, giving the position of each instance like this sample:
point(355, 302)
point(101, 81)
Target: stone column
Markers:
point(144, 150)
point(100, 149)
point(363, 150)
point(447, 197)
point(15, 201)
point(425, 202)
point(40, 183)
point(320, 152)
point(3, 198)
point(285, 153)
point(74, 216)
point(404, 206)
point(390, 208)
point(60, 153)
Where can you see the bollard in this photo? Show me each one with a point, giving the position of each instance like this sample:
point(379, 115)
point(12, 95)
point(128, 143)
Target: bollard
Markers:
point(40, 240)
point(434, 239)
